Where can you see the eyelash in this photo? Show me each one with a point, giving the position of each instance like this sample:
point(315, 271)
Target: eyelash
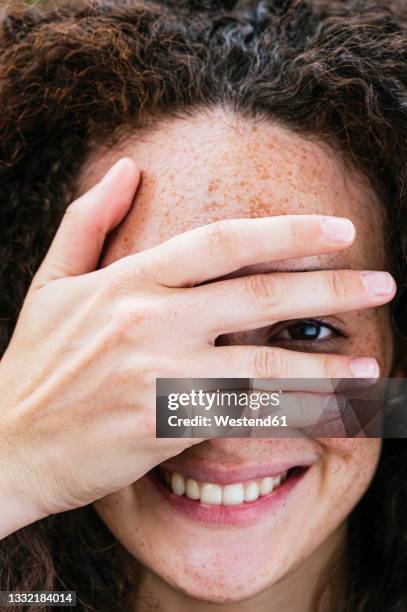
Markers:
point(311, 345)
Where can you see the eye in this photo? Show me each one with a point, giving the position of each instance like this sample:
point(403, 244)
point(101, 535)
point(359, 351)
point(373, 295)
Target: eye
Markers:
point(306, 331)
point(306, 334)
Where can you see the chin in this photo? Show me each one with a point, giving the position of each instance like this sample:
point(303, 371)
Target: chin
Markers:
point(226, 531)
point(217, 553)
point(231, 589)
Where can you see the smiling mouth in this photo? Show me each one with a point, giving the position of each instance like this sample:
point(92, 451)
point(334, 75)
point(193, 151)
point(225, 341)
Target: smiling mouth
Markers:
point(226, 494)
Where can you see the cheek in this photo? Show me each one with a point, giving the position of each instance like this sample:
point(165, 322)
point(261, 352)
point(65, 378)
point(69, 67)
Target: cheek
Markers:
point(371, 334)
point(264, 553)
point(349, 468)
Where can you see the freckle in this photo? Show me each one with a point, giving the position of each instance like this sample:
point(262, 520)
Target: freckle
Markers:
point(213, 185)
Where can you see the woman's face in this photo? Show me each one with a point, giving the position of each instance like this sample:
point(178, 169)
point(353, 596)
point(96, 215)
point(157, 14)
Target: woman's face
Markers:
point(196, 171)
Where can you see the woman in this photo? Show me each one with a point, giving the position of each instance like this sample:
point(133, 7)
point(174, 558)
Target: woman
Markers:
point(251, 224)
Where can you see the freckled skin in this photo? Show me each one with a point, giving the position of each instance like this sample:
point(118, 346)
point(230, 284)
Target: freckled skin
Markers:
point(196, 171)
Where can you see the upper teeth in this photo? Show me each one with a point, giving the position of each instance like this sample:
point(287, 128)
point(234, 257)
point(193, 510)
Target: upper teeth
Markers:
point(226, 495)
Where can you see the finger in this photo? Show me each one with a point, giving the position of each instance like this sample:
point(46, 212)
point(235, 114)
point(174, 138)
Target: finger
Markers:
point(217, 249)
point(358, 387)
point(302, 410)
point(268, 362)
point(79, 240)
point(252, 302)
point(312, 409)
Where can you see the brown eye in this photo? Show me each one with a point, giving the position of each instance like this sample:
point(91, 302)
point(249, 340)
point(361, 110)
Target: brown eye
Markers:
point(306, 331)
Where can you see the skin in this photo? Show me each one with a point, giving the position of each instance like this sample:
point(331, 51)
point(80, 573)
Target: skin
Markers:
point(96, 331)
point(196, 171)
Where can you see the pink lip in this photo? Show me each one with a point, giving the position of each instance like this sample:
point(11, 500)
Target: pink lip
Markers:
point(209, 473)
point(227, 515)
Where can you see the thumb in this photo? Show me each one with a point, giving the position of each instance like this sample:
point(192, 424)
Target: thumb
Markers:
point(79, 241)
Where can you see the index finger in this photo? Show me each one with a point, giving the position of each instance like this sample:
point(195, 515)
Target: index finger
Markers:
point(79, 240)
point(220, 248)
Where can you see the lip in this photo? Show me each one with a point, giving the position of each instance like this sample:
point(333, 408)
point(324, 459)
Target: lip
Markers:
point(240, 515)
point(206, 472)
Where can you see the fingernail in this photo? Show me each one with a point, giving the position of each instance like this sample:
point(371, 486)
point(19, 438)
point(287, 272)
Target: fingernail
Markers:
point(338, 230)
point(364, 367)
point(378, 283)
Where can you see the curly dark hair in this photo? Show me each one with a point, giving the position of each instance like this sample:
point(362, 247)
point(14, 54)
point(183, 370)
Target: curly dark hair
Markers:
point(87, 74)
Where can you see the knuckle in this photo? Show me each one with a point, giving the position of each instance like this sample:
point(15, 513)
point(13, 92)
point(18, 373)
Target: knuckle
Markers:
point(129, 316)
point(268, 363)
point(121, 278)
point(139, 371)
point(336, 285)
point(147, 368)
point(264, 288)
point(329, 366)
point(138, 428)
point(222, 237)
point(107, 286)
point(297, 231)
point(259, 286)
point(118, 281)
point(131, 272)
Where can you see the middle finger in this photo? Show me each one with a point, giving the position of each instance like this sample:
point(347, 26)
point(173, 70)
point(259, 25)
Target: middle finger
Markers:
point(254, 301)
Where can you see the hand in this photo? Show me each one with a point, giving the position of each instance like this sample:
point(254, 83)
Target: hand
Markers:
point(77, 382)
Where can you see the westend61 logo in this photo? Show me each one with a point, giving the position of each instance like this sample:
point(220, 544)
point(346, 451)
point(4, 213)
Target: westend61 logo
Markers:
point(208, 399)
point(264, 408)
point(222, 410)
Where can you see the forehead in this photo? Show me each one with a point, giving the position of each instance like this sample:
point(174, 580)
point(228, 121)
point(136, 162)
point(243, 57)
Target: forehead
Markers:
point(216, 166)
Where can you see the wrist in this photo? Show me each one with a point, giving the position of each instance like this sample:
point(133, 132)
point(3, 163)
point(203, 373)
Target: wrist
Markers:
point(16, 512)
point(17, 509)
